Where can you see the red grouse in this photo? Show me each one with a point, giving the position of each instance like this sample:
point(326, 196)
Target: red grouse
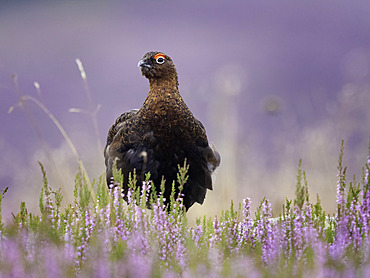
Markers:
point(160, 135)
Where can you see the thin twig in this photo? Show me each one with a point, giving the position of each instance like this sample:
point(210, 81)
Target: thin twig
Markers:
point(34, 124)
point(65, 136)
point(93, 110)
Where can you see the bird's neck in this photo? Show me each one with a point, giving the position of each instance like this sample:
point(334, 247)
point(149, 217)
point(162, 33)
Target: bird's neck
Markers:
point(158, 84)
point(164, 103)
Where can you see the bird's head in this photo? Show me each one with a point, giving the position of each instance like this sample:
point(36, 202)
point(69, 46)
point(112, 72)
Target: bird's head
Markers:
point(157, 65)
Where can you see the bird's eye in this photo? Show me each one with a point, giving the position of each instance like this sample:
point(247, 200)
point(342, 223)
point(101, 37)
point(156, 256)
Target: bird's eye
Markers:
point(160, 60)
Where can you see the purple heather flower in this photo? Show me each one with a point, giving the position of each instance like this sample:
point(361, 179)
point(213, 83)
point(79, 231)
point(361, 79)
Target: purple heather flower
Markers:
point(145, 191)
point(106, 212)
point(129, 196)
point(354, 228)
point(181, 252)
point(309, 232)
point(342, 238)
point(196, 234)
point(158, 239)
point(112, 183)
point(232, 235)
point(268, 248)
point(286, 235)
point(366, 270)
point(340, 191)
point(365, 206)
point(102, 269)
point(139, 266)
point(118, 226)
point(246, 208)
point(217, 233)
point(264, 233)
point(52, 268)
point(12, 257)
point(298, 232)
point(245, 227)
point(367, 171)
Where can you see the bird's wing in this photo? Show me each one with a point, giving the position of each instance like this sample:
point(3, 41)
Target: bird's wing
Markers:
point(212, 157)
point(119, 141)
point(202, 165)
point(118, 124)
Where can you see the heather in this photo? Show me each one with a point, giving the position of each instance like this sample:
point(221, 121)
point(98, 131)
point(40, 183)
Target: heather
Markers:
point(101, 235)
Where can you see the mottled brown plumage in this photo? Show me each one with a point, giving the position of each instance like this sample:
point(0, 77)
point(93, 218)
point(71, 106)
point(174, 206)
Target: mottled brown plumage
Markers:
point(161, 135)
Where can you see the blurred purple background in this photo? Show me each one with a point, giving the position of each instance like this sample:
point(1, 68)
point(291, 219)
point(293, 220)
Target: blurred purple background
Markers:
point(272, 82)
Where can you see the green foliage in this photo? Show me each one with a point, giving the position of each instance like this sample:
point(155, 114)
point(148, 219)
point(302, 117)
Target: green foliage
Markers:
point(82, 192)
point(102, 193)
point(88, 228)
point(342, 181)
point(182, 176)
point(319, 216)
point(2, 193)
point(258, 213)
point(353, 192)
point(301, 192)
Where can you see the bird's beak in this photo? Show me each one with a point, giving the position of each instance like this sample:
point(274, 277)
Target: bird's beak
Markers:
point(143, 64)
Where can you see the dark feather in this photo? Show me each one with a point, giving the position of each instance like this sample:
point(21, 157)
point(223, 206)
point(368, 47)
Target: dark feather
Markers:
point(161, 135)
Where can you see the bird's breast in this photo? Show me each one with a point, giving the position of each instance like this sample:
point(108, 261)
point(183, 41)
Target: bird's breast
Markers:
point(168, 117)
